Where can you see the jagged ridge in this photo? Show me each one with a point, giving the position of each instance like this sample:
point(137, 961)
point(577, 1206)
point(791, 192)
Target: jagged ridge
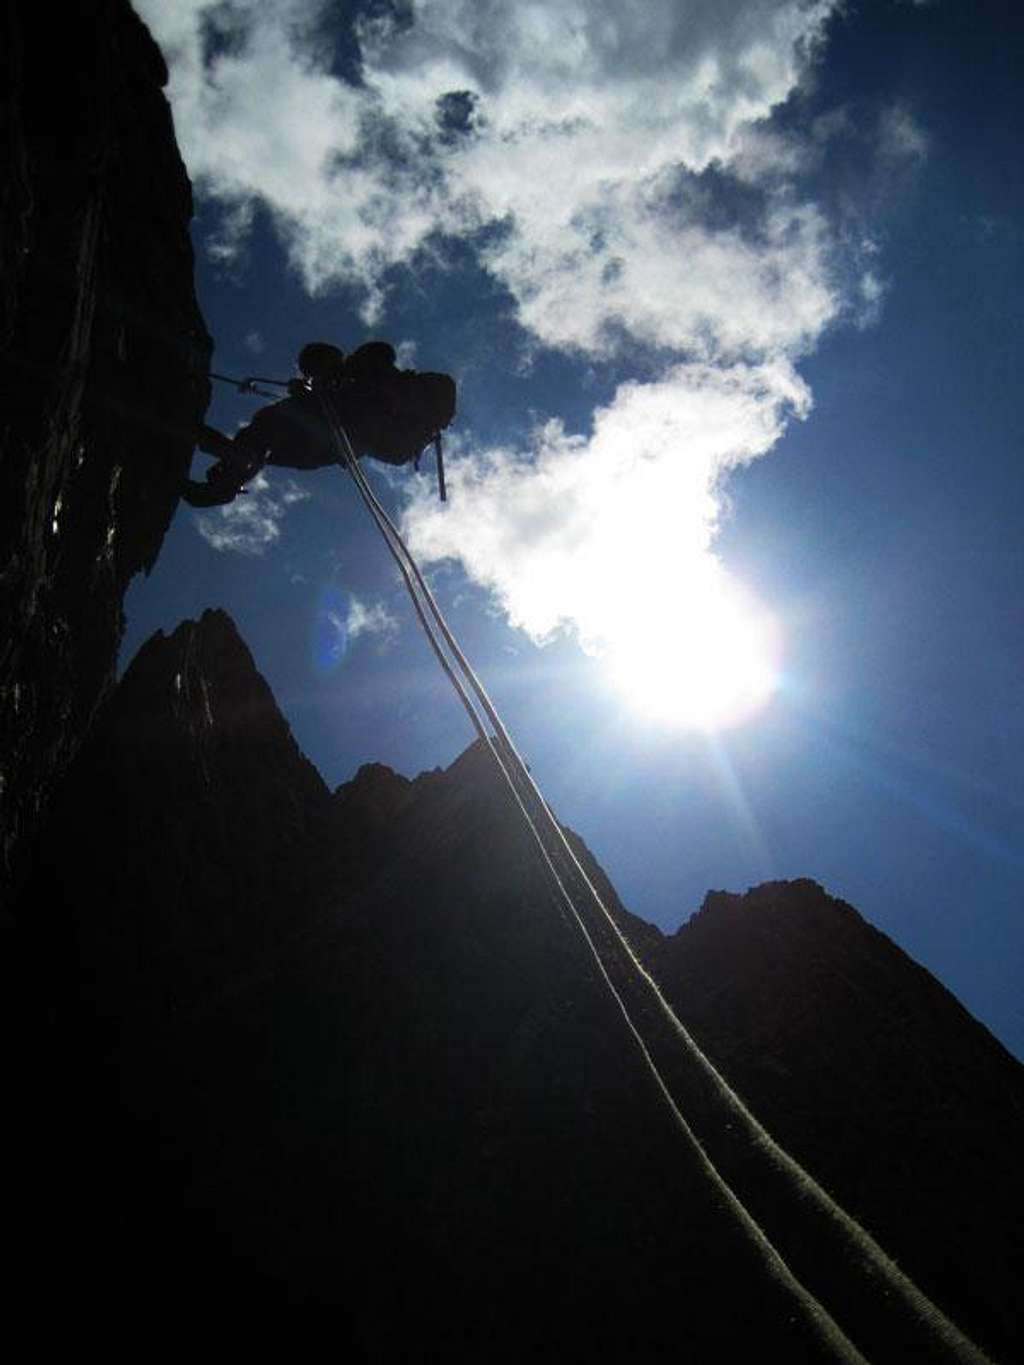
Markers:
point(398, 1029)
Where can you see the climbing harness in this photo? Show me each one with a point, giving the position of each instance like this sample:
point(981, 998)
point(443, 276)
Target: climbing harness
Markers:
point(250, 384)
point(833, 1253)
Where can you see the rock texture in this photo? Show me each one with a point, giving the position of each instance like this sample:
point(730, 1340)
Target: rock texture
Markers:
point(346, 1058)
point(103, 354)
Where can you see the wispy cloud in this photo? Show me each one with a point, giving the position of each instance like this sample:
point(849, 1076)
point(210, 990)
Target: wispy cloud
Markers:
point(405, 353)
point(372, 619)
point(252, 523)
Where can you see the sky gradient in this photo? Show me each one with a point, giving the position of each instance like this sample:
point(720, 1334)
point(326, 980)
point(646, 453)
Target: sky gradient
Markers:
point(732, 293)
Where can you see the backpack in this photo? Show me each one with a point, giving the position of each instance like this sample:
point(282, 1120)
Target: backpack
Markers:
point(408, 410)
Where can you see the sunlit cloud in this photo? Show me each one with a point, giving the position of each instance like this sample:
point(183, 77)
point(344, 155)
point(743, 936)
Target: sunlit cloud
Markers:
point(610, 537)
point(565, 123)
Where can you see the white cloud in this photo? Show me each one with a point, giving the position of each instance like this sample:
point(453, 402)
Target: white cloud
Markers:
point(374, 619)
point(676, 285)
point(405, 353)
point(575, 534)
point(252, 523)
point(574, 118)
point(227, 242)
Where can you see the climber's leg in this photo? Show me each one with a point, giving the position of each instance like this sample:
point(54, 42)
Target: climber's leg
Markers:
point(238, 461)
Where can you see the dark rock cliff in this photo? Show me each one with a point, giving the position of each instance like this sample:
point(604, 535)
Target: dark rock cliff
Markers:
point(872, 1074)
point(103, 355)
point(347, 1054)
point(192, 829)
point(388, 1096)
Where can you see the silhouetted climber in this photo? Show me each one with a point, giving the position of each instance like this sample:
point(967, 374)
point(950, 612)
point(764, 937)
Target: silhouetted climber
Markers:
point(386, 412)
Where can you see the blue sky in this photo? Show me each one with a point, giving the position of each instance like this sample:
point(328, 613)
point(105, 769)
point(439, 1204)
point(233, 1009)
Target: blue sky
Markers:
point(732, 293)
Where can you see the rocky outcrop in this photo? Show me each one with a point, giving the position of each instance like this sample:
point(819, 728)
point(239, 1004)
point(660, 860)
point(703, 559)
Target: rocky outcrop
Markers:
point(104, 356)
point(873, 1075)
point(387, 1096)
point(193, 832)
point(349, 1054)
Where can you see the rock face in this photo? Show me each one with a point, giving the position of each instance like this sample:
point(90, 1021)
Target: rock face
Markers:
point(347, 1059)
point(104, 356)
point(874, 1076)
point(195, 823)
point(390, 1096)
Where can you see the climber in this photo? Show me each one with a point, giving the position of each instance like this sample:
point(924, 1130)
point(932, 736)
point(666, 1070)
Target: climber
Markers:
point(386, 412)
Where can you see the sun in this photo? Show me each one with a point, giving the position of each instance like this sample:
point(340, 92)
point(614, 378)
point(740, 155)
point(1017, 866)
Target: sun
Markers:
point(703, 656)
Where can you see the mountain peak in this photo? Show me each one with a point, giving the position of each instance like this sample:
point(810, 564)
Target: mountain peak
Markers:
point(786, 896)
point(375, 1003)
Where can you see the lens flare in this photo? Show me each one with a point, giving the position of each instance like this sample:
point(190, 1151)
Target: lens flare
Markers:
point(330, 630)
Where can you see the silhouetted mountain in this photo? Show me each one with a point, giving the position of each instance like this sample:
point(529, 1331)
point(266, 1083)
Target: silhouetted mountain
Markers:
point(870, 1073)
point(190, 799)
point(359, 1060)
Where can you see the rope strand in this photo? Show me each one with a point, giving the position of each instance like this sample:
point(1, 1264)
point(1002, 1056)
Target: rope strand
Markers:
point(856, 1257)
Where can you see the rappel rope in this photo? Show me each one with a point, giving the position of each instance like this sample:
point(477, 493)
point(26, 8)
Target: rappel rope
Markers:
point(859, 1255)
point(511, 766)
